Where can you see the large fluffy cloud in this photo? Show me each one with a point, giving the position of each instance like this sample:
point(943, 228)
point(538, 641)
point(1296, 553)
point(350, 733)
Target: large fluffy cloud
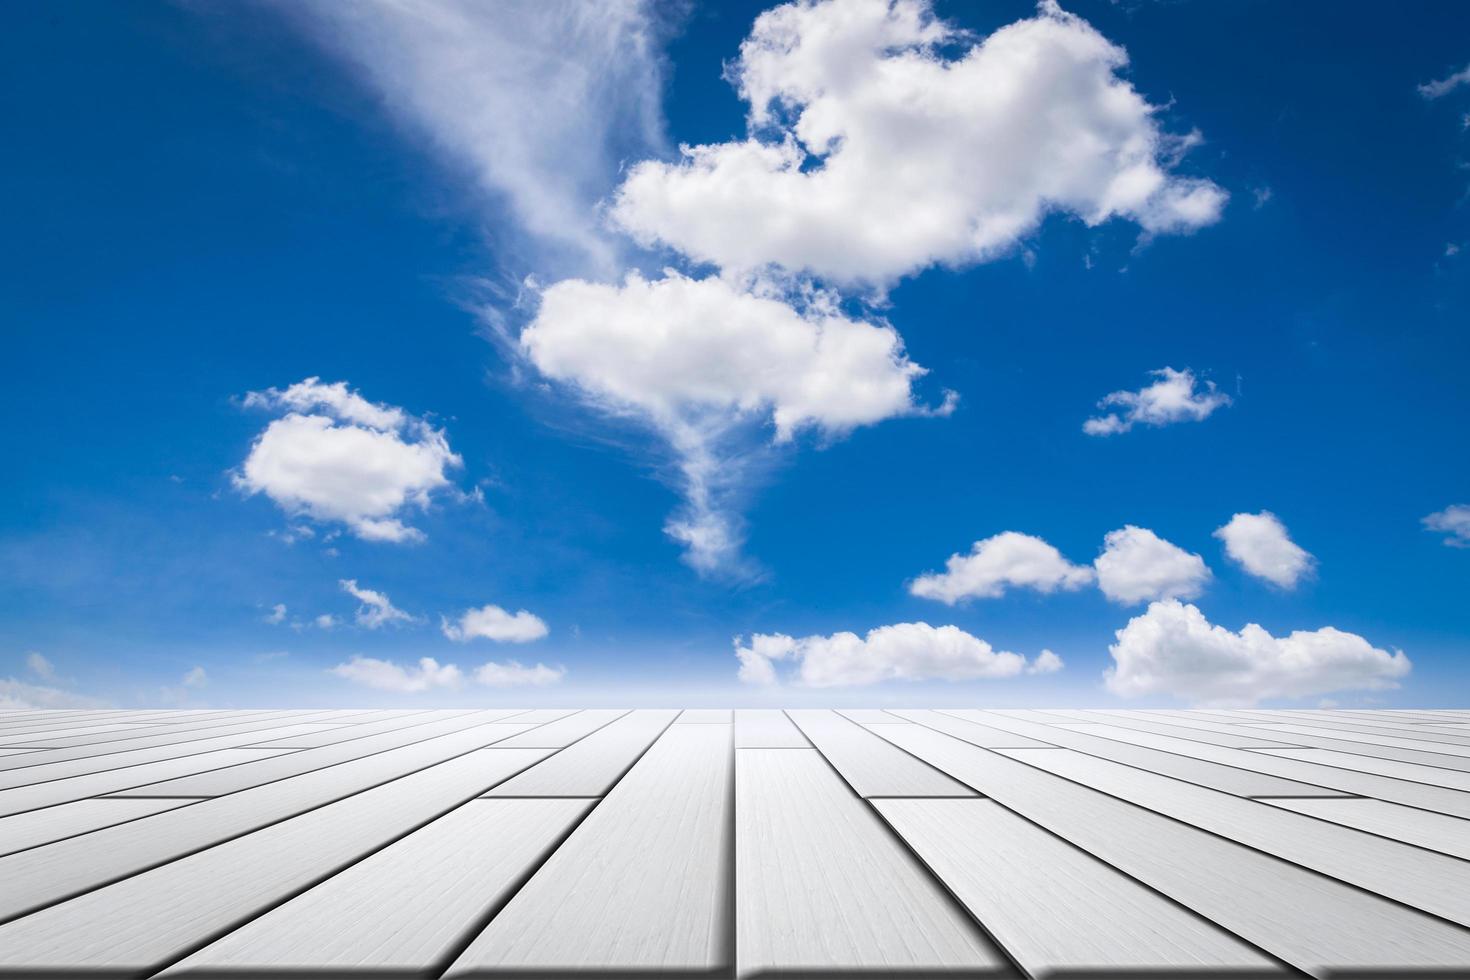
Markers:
point(494, 623)
point(1173, 650)
point(1454, 521)
point(1260, 544)
point(1007, 560)
point(702, 361)
point(539, 99)
point(1176, 397)
point(336, 457)
point(884, 140)
point(905, 651)
point(1137, 566)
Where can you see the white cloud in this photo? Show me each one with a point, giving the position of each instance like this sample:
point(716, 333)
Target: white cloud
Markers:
point(494, 623)
point(1175, 397)
point(375, 610)
point(1046, 662)
point(1137, 566)
point(1172, 649)
point(325, 621)
point(1008, 559)
point(387, 676)
point(429, 674)
point(703, 363)
point(1454, 521)
point(883, 140)
point(1260, 544)
point(41, 667)
point(1446, 85)
point(539, 99)
point(905, 651)
point(348, 461)
point(17, 694)
point(512, 674)
point(277, 615)
point(195, 678)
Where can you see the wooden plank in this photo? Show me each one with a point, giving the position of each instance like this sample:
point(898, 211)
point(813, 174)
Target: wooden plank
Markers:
point(1316, 924)
point(1301, 767)
point(870, 765)
point(1431, 882)
point(591, 767)
point(1437, 760)
point(1377, 726)
point(32, 775)
point(15, 751)
point(50, 739)
point(140, 736)
point(388, 721)
point(1431, 775)
point(41, 877)
point(24, 830)
point(1211, 733)
point(869, 716)
point(220, 782)
point(157, 916)
point(823, 888)
point(767, 728)
point(564, 731)
point(1225, 778)
point(174, 736)
point(1316, 734)
point(404, 909)
point(1435, 831)
point(969, 730)
point(705, 716)
point(1055, 908)
point(50, 721)
point(58, 791)
point(641, 886)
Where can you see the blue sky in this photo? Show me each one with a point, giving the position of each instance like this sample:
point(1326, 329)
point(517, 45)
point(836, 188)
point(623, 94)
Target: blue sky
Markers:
point(440, 216)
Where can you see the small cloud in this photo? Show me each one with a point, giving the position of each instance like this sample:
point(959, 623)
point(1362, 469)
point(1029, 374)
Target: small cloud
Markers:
point(1175, 397)
point(277, 615)
point(1138, 566)
point(512, 674)
point(195, 678)
point(1260, 196)
point(376, 611)
point(325, 621)
point(1007, 560)
point(386, 676)
point(1259, 544)
point(494, 623)
point(41, 667)
point(1046, 662)
point(1444, 86)
point(1453, 522)
point(904, 651)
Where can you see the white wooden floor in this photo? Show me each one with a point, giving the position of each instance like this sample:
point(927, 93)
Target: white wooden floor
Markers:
point(709, 843)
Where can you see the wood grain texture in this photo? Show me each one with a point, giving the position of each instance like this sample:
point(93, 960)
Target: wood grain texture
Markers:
point(269, 769)
point(965, 728)
point(564, 731)
point(705, 716)
point(42, 876)
point(1321, 926)
point(643, 884)
point(1456, 779)
point(25, 830)
point(393, 721)
point(137, 925)
point(1228, 779)
point(1451, 747)
point(403, 909)
point(823, 887)
point(1435, 831)
point(1212, 733)
point(1302, 767)
point(1055, 908)
point(56, 791)
point(1431, 882)
point(869, 764)
point(591, 767)
point(46, 772)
